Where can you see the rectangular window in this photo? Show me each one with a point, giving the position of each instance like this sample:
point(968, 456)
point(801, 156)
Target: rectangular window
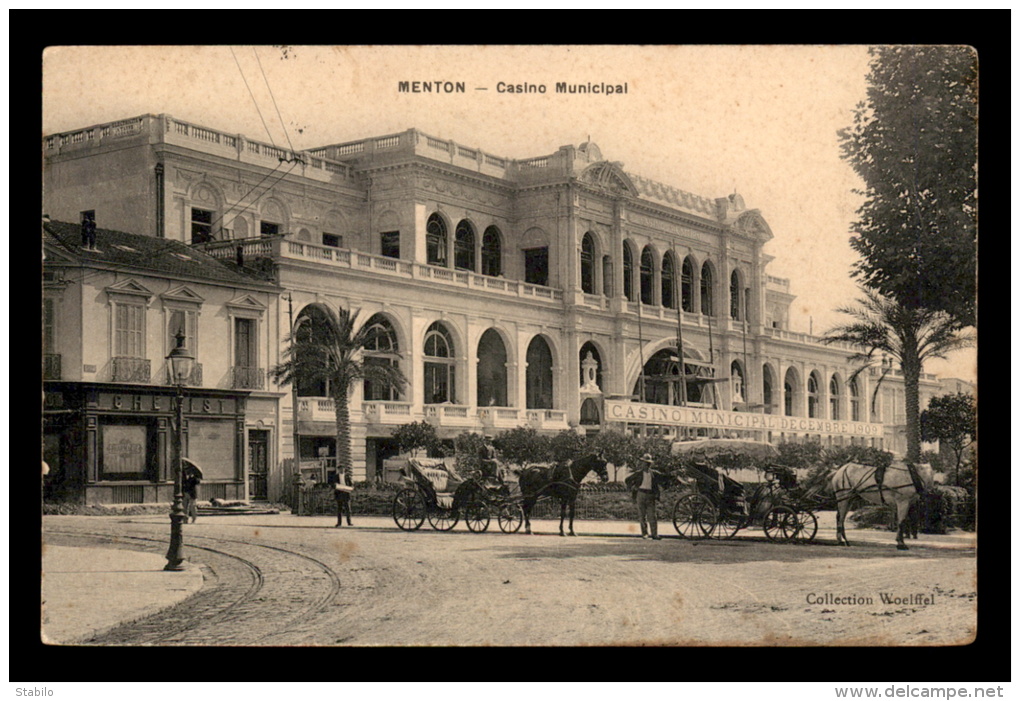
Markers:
point(185, 322)
point(536, 266)
point(269, 228)
point(390, 244)
point(201, 225)
point(244, 343)
point(48, 325)
point(334, 240)
point(129, 330)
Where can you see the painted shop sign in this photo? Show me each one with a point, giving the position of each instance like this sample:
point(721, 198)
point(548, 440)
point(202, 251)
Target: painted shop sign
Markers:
point(154, 402)
point(634, 412)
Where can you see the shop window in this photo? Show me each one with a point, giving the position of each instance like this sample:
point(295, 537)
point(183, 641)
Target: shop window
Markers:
point(492, 263)
point(440, 366)
point(536, 266)
point(464, 247)
point(201, 225)
point(126, 450)
point(435, 241)
point(390, 244)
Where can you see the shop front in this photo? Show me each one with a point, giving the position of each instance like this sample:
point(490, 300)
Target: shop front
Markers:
point(112, 443)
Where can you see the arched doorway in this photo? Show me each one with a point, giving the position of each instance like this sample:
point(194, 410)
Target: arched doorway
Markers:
point(539, 375)
point(492, 376)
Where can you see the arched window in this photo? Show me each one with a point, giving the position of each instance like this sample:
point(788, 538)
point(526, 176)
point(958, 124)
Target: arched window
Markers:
point(381, 349)
point(790, 384)
point(440, 366)
point(628, 273)
point(588, 264)
point(311, 323)
point(834, 399)
point(812, 396)
point(435, 241)
point(687, 285)
point(855, 401)
point(668, 300)
point(492, 255)
point(736, 303)
point(647, 276)
point(607, 276)
point(491, 370)
point(707, 294)
point(766, 388)
point(464, 246)
point(539, 375)
point(590, 413)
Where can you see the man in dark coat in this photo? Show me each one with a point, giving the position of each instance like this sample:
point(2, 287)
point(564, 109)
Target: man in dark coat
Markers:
point(645, 485)
point(190, 479)
point(342, 489)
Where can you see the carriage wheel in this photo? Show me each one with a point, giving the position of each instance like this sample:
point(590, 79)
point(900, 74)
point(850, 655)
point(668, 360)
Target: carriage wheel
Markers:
point(694, 516)
point(780, 523)
point(476, 516)
point(727, 524)
point(807, 527)
point(511, 518)
point(409, 509)
point(443, 519)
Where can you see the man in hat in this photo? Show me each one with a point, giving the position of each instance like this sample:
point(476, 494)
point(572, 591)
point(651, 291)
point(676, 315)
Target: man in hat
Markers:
point(645, 484)
point(487, 463)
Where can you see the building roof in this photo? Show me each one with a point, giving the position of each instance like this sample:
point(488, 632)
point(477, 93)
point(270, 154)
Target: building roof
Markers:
point(156, 256)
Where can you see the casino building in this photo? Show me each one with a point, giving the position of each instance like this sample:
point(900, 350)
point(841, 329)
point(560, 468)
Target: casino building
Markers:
point(558, 292)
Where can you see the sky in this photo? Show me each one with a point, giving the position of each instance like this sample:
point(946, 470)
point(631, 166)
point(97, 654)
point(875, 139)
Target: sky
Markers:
point(711, 120)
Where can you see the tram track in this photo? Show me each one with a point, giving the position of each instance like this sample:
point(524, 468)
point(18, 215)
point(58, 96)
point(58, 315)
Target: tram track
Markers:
point(254, 593)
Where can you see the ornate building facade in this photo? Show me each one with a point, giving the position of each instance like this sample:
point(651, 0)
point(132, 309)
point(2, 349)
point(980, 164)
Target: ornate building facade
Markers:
point(558, 292)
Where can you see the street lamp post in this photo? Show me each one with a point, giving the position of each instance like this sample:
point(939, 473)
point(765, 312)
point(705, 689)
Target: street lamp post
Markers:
point(180, 363)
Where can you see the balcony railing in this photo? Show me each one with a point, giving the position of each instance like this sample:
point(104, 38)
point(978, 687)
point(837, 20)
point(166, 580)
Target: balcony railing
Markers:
point(131, 370)
point(51, 366)
point(247, 378)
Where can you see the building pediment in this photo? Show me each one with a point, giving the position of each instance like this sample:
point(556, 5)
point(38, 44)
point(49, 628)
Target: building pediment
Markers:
point(182, 293)
point(129, 287)
point(246, 303)
point(609, 177)
point(752, 223)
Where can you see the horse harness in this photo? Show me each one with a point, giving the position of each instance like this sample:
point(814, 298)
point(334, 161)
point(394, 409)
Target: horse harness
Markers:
point(878, 487)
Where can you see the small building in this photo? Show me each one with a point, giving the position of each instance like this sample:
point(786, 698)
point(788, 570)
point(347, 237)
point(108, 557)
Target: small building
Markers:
point(113, 304)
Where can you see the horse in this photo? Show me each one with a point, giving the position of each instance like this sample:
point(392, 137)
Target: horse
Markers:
point(902, 485)
point(562, 481)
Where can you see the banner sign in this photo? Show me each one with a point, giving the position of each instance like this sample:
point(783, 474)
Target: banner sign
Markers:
point(634, 412)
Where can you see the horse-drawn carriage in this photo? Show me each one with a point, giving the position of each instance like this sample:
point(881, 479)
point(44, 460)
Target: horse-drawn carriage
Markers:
point(436, 492)
point(715, 505)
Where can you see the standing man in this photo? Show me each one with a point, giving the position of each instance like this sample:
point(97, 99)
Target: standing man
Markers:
point(191, 477)
point(645, 484)
point(342, 492)
point(487, 462)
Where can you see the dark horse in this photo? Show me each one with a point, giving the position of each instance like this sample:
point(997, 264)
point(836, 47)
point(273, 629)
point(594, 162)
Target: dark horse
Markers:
point(562, 482)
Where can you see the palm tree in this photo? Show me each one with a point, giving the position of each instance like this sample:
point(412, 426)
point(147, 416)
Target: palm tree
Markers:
point(325, 349)
point(883, 326)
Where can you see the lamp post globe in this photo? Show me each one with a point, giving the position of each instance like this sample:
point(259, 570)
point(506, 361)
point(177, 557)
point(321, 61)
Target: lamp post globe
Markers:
point(180, 363)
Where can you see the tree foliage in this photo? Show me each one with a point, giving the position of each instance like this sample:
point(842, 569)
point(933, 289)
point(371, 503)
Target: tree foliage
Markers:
point(880, 327)
point(914, 144)
point(522, 446)
point(325, 349)
point(417, 435)
point(950, 420)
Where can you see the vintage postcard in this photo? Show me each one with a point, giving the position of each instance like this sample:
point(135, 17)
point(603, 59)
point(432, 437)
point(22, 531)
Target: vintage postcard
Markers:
point(506, 346)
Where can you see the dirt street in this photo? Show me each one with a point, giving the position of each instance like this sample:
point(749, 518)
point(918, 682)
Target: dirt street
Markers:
point(297, 581)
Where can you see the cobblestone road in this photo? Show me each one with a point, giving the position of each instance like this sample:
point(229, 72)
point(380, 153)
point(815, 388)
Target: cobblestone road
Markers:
point(310, 584)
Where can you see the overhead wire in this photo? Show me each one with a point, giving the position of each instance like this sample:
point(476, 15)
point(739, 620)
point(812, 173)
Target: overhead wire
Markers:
point(273, 98)
point(254, 101)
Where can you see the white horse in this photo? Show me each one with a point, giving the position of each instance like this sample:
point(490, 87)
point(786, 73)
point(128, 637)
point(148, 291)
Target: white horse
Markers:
point(901, 485)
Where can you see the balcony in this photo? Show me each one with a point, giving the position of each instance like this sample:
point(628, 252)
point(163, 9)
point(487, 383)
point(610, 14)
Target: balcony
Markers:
point(387, 412)
point(247, 378)
point(130, 370)
point(499, 417)
point(51, 366)
point(451, 415)
point(192, 380)
point(278, 248)
point(547, 418)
